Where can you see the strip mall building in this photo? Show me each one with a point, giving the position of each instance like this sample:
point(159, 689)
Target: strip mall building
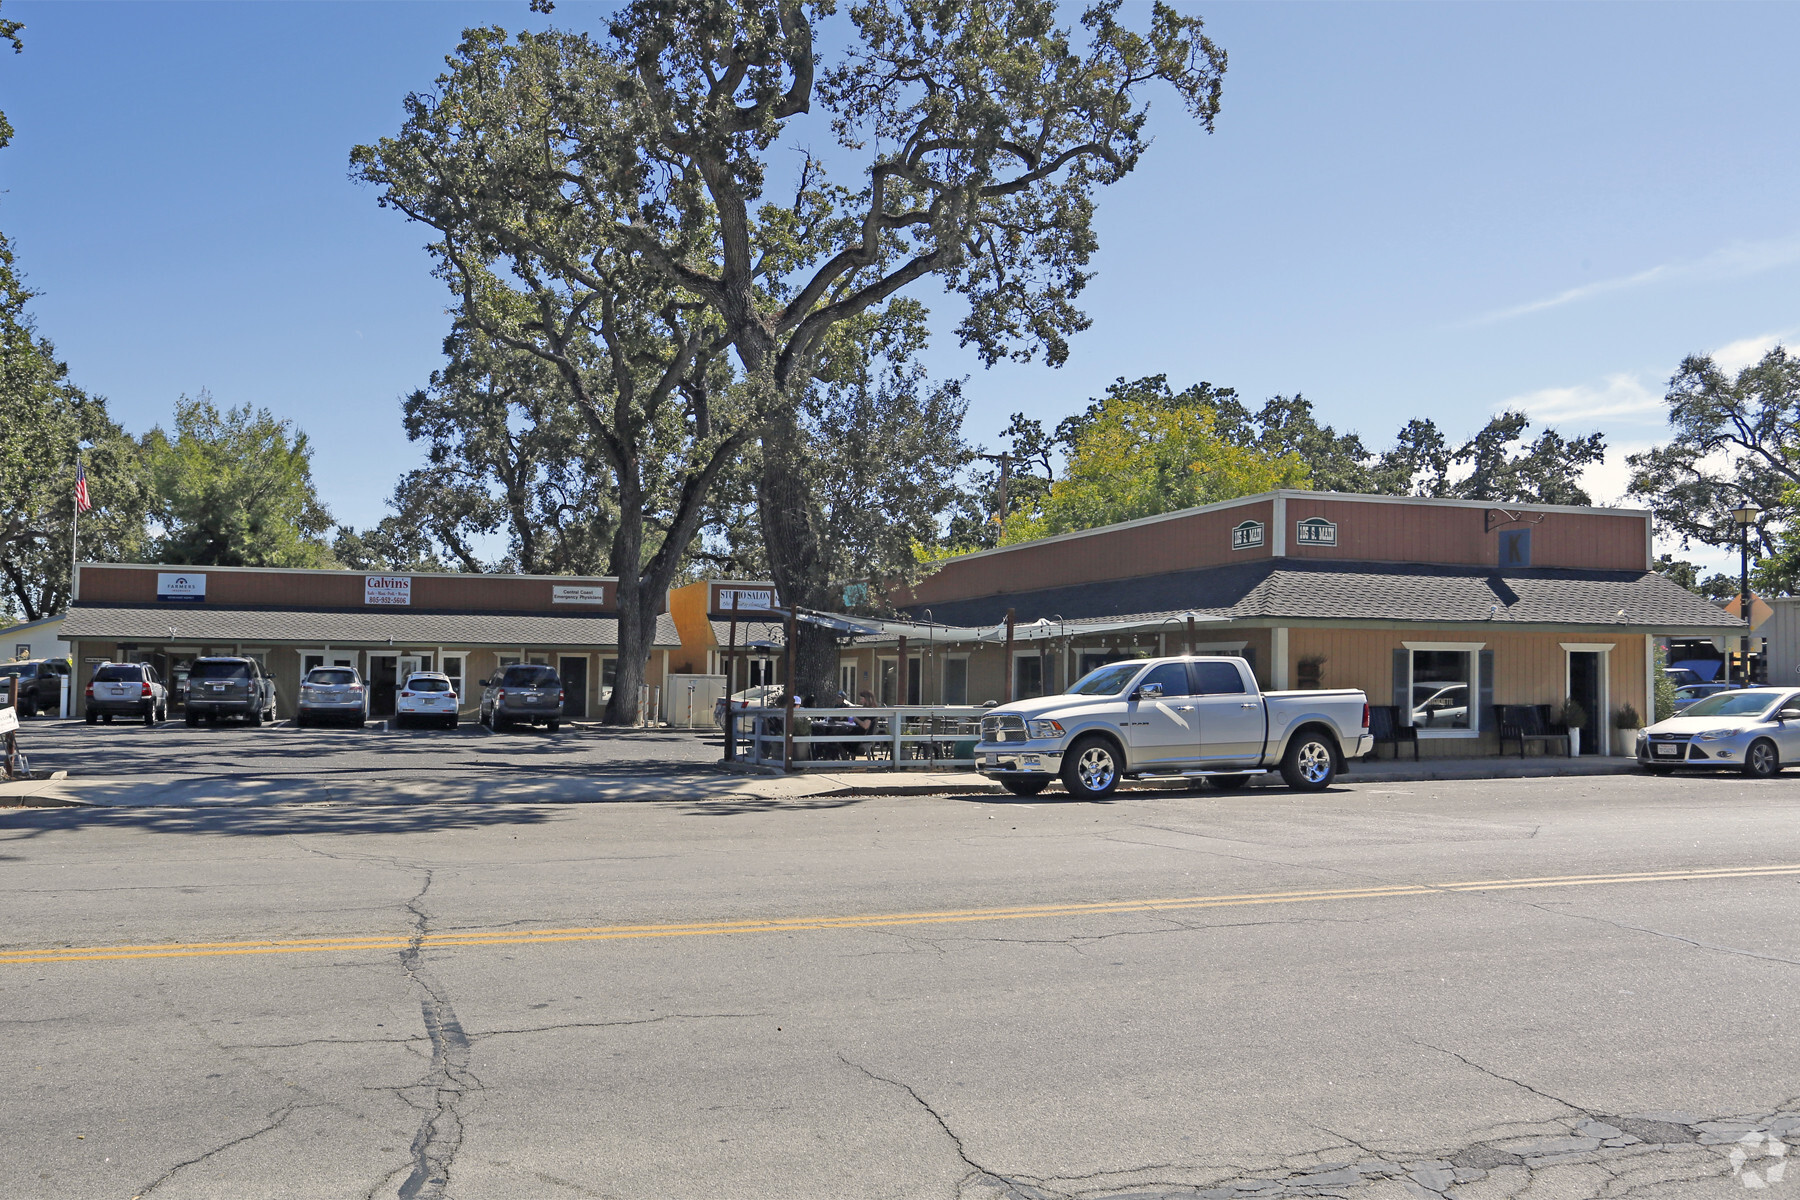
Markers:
point(1442, 608)
point(467, 626)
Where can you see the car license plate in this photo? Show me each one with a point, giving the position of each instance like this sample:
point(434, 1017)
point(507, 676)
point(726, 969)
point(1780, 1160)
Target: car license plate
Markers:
point(1668, 750)
point(217, 687)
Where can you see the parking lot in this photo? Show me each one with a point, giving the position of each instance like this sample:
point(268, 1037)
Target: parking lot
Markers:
point(282, 762)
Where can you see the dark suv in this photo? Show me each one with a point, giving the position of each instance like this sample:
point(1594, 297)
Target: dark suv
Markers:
point(127, 690)
point(522, 694)
point(35, 686)
point(229, 687)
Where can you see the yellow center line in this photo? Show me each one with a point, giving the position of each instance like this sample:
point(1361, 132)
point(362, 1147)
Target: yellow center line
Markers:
point(597, 933)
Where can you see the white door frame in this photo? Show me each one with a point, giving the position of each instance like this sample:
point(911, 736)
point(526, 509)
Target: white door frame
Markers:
point(1605, 719)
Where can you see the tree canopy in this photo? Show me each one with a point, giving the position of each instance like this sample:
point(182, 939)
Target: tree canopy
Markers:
point(1218, 447)
point(234, 488)
point(1135, 458)
point(1736, 441)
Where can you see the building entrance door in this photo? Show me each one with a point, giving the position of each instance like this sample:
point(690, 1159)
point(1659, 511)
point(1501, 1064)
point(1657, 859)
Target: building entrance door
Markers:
point(573, 669)
point(384, 670)
point(1584, 689)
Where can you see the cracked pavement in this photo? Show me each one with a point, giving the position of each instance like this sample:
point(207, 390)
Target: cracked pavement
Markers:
point(1627, 1040)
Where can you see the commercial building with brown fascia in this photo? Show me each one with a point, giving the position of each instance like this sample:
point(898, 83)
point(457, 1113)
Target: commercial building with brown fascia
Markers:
point(386, 625)
point(1443, 609)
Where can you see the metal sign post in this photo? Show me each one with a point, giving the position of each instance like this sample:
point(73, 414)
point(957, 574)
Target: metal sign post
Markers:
point(787, 726)
point(731, 685)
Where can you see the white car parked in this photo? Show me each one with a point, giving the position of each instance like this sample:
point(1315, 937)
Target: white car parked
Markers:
point(428, 697)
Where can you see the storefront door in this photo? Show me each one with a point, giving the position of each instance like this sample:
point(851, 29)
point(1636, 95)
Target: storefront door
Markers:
point(573, 669)
point(383, 672)
point(1584, 689)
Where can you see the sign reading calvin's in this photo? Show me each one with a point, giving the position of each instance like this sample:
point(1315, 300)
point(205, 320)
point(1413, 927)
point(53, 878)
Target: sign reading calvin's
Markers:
point(387, 590)
point(185, 589)
point(1247, 535)
point(578, 593)
point(1315, 531)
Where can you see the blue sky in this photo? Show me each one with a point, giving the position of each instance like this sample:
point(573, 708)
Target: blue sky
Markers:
point(1407, 209)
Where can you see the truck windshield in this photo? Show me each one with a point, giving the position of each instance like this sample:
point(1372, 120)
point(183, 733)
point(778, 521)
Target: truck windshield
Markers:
point(1109, 680)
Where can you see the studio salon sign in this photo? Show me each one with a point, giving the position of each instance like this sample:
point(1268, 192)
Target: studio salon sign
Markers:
point(392, 590)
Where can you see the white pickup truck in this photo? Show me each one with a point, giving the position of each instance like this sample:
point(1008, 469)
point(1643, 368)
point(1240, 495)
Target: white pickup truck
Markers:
point(1193, 718)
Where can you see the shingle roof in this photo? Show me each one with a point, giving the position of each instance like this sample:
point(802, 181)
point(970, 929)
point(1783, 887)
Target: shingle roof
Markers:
point(348, 627)
point(1364, 591)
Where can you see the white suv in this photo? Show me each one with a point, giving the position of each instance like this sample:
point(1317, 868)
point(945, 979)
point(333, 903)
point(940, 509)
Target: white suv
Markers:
point(426, 697)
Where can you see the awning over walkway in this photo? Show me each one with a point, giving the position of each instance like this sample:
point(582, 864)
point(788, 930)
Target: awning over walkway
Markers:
point(187, 625)
point(881, 630)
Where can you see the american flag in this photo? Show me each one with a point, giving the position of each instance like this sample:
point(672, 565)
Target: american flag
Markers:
point(82, 503)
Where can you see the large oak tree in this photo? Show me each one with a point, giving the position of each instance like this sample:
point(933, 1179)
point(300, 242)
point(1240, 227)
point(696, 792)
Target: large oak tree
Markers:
point(971, 140)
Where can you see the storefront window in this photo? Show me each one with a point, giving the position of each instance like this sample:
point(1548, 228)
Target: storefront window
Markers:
point(453, 667)
point(1442, 684)
point(956, 680)
point(1028, 676)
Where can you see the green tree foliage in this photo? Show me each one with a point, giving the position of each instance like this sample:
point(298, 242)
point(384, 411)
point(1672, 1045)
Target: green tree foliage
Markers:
point(1736, 440)
point(48, 422)
point(887, 450)
point(508, 455)
point(522, 164)
point(1664, 687)
point(1136, 458)
point(1497, 464)
point(234, 488)
point(975, 136)
point(1717, 586)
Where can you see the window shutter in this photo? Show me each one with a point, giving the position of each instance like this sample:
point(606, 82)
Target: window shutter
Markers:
point(1403, 685)
point(1487, 691)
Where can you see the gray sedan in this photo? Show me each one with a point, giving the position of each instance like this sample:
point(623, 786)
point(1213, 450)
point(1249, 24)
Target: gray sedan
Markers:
point(1753, 730)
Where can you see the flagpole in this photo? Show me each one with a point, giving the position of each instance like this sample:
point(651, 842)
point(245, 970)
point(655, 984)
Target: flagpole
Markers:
point(74, 529)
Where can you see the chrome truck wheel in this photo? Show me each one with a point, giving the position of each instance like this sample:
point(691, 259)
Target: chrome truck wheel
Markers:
point(1091, 768)
point(1309, 764)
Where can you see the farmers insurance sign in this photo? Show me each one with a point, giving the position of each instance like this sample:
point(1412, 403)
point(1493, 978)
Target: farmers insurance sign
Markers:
point(387, 590)
point(186, 589)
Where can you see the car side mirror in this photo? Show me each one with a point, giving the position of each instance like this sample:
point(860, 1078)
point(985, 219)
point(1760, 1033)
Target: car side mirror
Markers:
point(1789, 714)
point(1150, 691)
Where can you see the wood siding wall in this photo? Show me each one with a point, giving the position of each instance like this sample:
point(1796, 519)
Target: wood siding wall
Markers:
point(226, 588)
point(1423, 533)
point(1200, 539)
point(1397, 530)
point(1529, 667)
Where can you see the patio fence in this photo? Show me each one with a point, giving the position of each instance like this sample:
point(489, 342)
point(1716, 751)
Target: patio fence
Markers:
point(913, 737)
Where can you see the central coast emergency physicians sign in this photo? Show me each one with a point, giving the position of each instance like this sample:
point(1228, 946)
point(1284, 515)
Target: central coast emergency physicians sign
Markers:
point(387, 590)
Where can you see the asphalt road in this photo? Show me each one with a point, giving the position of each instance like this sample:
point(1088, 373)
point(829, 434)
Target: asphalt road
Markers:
point(172, 764)
point(1521, 988)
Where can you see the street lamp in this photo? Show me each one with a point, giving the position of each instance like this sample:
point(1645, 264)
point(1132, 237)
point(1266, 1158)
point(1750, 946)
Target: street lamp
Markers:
point(1745, 515)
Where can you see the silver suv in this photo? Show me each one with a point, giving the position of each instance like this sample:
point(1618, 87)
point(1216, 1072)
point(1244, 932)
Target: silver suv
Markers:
point(127, 690)
point(522, 694)
point(332, 694)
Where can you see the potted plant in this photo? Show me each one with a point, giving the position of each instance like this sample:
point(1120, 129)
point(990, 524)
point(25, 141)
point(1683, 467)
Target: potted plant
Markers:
point(1626, 727)
point(1573, 717)
point(1311, 671)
